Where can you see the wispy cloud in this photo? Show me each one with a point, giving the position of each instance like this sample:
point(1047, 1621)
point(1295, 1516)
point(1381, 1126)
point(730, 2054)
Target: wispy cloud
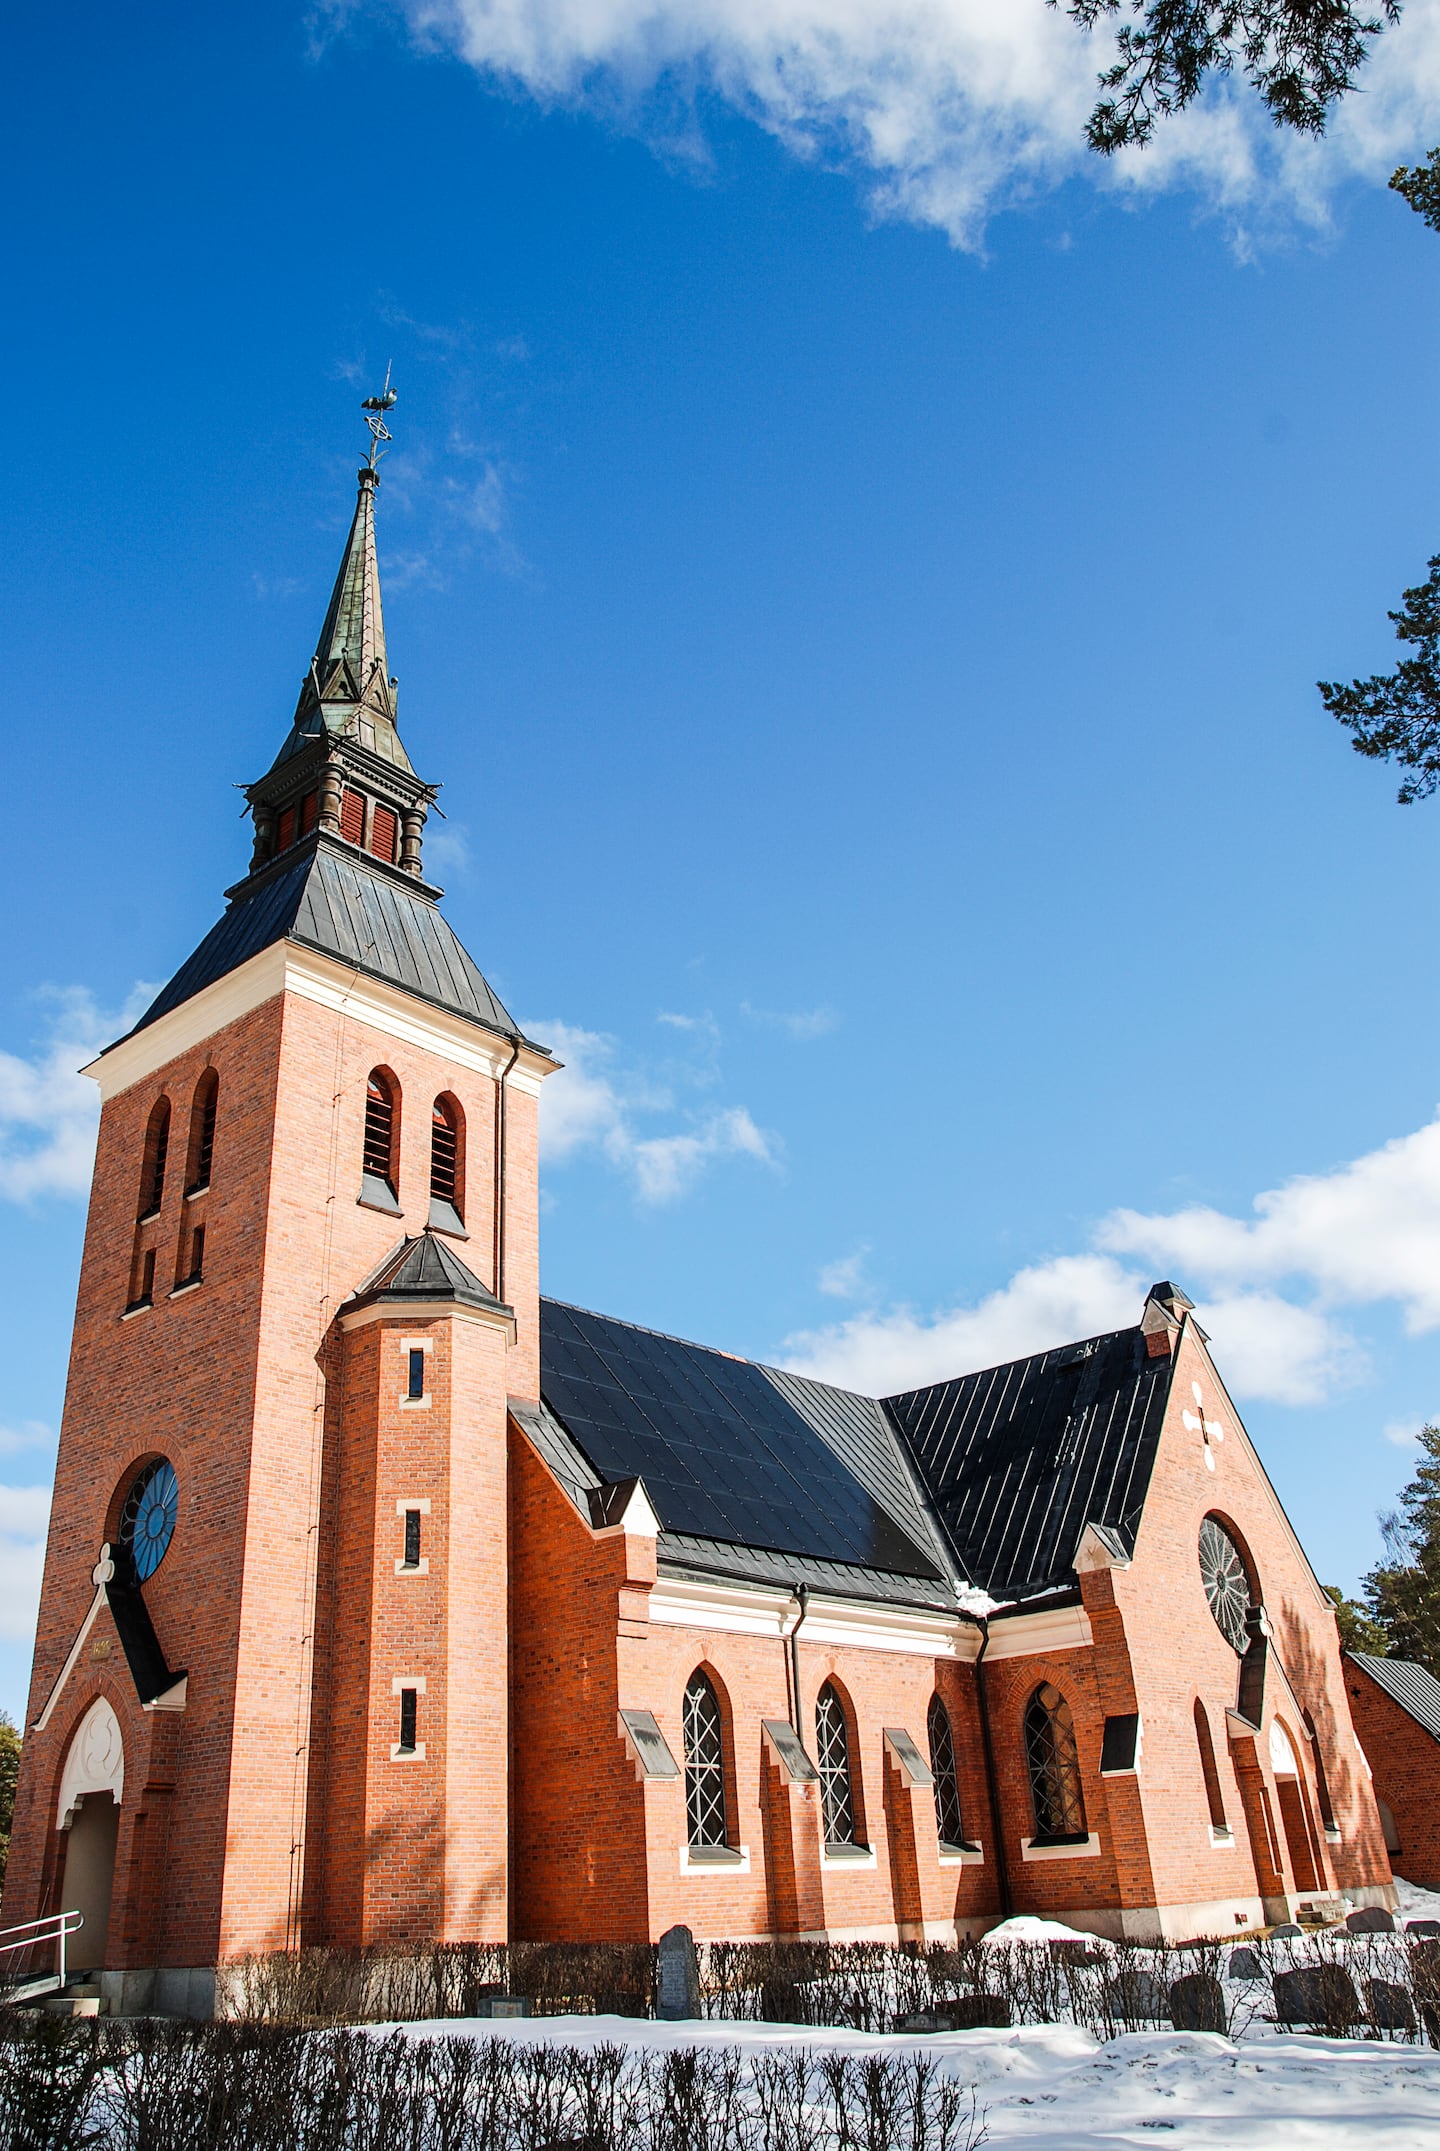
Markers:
point(800, 1023)
point(592, 1106)
point(845, 1279)
point(1403, 1433)
point(945, 109)
point(48, 1110)
point(1278, 1290)
point(24, 1517)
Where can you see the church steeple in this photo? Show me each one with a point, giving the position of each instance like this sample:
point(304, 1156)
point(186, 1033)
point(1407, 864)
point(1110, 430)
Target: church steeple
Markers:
point(342, 768)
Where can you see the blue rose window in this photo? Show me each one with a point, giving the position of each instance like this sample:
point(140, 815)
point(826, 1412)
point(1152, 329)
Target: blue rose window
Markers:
point(147, 1521)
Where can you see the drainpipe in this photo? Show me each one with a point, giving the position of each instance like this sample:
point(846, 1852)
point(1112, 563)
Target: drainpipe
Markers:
point(801, 1592)
point(500, 1084)
point(997, 1834)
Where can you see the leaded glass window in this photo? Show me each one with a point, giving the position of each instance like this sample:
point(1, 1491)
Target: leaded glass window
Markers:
point(947, 1782)
point(1228, 1588)
point(1054, 1763)
point(832, 1753)
point(147, 1521)
point(704, 1764)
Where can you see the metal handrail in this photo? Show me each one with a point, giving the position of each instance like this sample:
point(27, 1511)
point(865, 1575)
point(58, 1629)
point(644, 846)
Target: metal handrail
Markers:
point(56, 1926)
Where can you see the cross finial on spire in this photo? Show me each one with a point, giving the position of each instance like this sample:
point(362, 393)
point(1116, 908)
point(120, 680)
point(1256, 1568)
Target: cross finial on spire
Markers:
point(375, 408)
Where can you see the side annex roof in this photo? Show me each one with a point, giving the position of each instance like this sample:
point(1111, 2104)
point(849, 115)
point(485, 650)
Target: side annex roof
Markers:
point(1416, 1691)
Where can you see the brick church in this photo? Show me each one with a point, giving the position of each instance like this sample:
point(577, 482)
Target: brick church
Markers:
point(386, 1600)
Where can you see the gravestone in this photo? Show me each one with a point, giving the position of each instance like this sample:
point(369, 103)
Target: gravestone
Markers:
point(1245, 1964)
point(1423, 1929)
point(677, 1976)
point(1317, 1994)
point(970, 2012)
point(1390, 2005)
point(1197, 2002)
point(1137, 1997)
point(1287, 1931)
point(1370, 1919)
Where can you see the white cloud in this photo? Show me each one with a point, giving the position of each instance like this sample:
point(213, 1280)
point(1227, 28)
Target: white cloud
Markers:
point(1272, 1289)
point(24, 1516)
point(1403, 1433)
point(587, 1106)
point(799, 1023)
point(48, 1110)
point(30, 1434)
point(845, 1279)
point(949, 108)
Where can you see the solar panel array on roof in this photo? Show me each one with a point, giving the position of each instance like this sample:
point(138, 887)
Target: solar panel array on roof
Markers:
point(723, 1453)
point(1018, 1459)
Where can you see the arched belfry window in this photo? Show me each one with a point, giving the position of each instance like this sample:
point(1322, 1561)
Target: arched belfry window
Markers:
point(157, 1151)
point(447, 1165)
point(377, 1177)
point(947, 1782)
point(704, 1764)
point(202, 1133)
point(1054, 1761)
point(832, 1753)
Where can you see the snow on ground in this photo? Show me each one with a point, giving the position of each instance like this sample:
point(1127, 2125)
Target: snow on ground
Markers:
point(1414, 1903)
point(1025, 1927)
point(1055, 2086)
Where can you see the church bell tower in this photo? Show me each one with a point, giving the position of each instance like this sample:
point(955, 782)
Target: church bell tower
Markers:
point(269, 1703)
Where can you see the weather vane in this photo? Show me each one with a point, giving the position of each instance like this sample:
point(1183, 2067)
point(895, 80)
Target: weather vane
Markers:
point(375, 408)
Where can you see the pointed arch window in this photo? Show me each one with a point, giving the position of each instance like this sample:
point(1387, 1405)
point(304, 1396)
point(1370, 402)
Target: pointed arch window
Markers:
point(202, 1133)
point(447, 1165)
point(832, 1753)
point(157, 1151)
point(1054, 1760)
point(704, 1764)
point(947, 1781)
point(1204, 1741)
point(377, 1177)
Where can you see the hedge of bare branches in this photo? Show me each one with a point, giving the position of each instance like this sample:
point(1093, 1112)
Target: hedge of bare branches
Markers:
point(149, 2085)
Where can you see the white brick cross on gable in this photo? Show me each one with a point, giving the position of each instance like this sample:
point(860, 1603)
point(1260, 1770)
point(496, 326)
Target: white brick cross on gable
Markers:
point(1209, 1426)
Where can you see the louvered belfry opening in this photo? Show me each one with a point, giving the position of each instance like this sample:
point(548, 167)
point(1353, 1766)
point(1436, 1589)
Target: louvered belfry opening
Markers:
point(352, 816)
point(157, 1152)
point(447, 1192)
point(202, 1132)
point(382, 832)
point(378, 1162)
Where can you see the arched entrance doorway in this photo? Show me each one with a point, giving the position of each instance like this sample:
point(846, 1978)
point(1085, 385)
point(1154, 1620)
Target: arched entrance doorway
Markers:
point(1299, 1842)
point(92, 1786)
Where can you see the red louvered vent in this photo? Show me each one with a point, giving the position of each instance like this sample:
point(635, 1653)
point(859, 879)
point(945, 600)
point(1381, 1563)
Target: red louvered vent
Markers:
point(382, 834)
point(285, 829)
point(352, 817)
point(309, 812)
point(379, 1127)
point(442, 1153)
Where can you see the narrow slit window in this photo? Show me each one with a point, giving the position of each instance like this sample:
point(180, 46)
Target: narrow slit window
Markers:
point(1204, 1741)
point(408, 1701)
point(197, 1256)
point(145, 1283)
point(947, 1783)
point(417, 1381)
point(352, 817)
point(157, 1152)
point(446, 1193)
point(285, 829)
point(382, 833)
point(379, 1148)
point(202, 1133)
point(412, 1538)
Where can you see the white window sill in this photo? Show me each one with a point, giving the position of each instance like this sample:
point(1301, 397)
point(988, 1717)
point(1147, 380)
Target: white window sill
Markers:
point(718, 1860)
point(140, 1307)
point(191, 1284)
point(1083, 1849)
point(962, 1855)
point(413, 1404)
point(1222, 1838)
point(414, 1568)
point(408, 1755)
point(847, 1856)
point(1334, 1836)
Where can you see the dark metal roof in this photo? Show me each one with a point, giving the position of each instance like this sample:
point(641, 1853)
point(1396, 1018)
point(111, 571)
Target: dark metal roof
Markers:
point(425, 1268)
point(724, 1449)
point(1018, 1459)
point(1416, 1691)
point(335, 900)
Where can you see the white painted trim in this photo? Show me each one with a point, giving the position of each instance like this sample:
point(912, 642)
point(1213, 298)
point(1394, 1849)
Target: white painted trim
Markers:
point(402, 1681)
point(691, 1866)
point(414, 1568)
point(963, 1856)
point(417, 1344)
point(188, 1284)
point(381, 1311)
point(859, 1857)
point(408, 1755)
point(740, 1610)
point(94, 1761)
point(639, 1520)
point(74, 1654)
point(1031, 1851)
point(1034, 1635)
point(285, 968)
point(415, 1404)
point(1222, 1840)
point(412, 1501)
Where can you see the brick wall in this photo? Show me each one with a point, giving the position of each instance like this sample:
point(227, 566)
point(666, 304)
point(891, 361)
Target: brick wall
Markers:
point(1406, 1762)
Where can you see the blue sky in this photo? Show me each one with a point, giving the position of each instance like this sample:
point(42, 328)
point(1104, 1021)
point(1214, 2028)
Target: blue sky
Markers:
point(859, 569)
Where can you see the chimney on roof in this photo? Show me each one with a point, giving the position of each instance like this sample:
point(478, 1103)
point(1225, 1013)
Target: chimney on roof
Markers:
point(1165, 1308)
